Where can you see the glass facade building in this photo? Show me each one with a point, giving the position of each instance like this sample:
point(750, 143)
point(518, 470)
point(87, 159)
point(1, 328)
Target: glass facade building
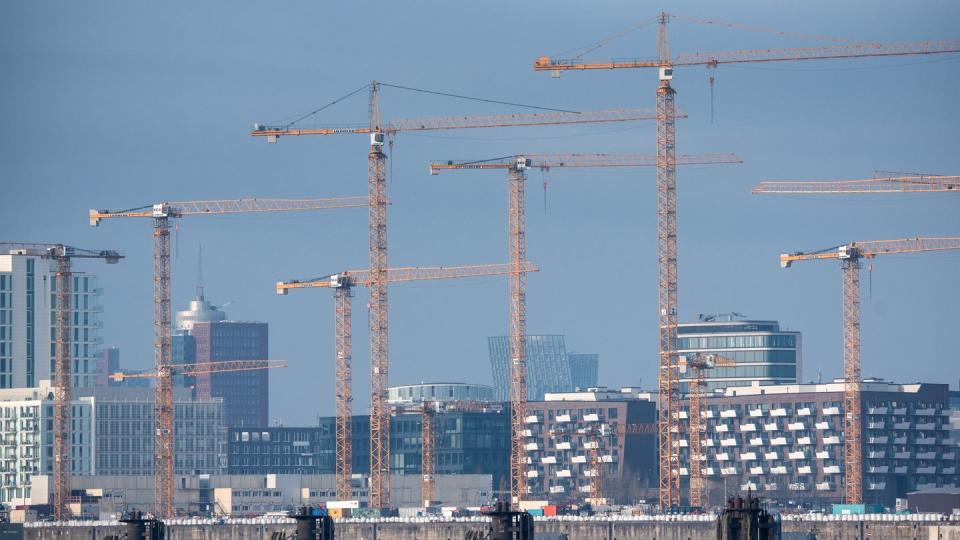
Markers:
point(549, 367)
point(466, 443)
point(762, 351)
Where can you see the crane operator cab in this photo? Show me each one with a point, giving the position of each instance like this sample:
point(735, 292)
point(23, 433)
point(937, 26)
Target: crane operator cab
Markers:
point(376, 139)
point(666, 73)
point(522, 163)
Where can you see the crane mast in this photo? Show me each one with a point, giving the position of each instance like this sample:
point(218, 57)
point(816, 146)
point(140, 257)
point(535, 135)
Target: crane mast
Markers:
point(849, 256)
point(379, 364)
point(699, 363)
point(161, 214)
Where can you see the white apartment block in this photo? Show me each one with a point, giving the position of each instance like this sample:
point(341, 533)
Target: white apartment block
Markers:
point(27, 324)
point(112, 433)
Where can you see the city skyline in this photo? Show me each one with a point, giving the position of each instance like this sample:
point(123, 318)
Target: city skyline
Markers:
point(191, 142)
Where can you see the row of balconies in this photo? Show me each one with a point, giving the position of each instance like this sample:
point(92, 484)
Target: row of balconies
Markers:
point(796, 486)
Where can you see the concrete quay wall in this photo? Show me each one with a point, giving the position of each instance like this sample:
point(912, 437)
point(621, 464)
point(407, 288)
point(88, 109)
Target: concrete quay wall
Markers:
point(457, 530)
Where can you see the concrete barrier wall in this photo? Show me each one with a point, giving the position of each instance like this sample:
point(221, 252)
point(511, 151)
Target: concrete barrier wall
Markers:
point(575, 530)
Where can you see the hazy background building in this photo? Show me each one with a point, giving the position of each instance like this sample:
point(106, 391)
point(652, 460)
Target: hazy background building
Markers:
point(549, 367)
point(27, 345)
point(205, 335)
point(764, 353)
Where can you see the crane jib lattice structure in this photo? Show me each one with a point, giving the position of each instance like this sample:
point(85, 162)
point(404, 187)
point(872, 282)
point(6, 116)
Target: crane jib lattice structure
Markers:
point(378, 131)
point(667, 378)
point(342, 285)
point(849, 256)
point(62, 256)
point(882, 184)
point(516, 167)
point(161, 214)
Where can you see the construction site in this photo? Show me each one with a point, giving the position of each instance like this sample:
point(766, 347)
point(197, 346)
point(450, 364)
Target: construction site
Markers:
point(682, 457)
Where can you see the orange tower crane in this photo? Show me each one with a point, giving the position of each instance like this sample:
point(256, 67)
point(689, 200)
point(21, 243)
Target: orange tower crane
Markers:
point(699, 364)
point(63, 374)
point(343, 284)
point(161, 214)
point(516, 167)
point(668, 381)
point(849, 256)
point(377, 189)
point(882, 184)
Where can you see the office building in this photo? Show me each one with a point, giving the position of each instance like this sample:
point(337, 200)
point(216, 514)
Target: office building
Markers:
point(763, 352)
point(549, 367)
point(466, 443)
point(27, 323)
point(561, 431)
point(416, 393)
point(205, 335)
point(786, 441)
point(112, 434)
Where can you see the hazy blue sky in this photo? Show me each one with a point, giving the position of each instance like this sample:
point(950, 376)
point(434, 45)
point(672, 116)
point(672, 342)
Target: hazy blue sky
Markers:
point(120, 104)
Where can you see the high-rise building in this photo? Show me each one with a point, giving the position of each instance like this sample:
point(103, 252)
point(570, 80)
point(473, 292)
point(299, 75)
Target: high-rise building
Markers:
point(205, 335)
point(764, 353)
point(549, 367)
point(112, 433)
point(27, 323)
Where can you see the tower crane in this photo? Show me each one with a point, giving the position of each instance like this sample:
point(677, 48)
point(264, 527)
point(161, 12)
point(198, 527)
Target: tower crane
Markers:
point(884, 184)
point(668, 381)
point(516, 167)
point(698, 364)
point(161, 214)
point(849, 256)
point(62, 256)
point(377, 189)
point(342, 285)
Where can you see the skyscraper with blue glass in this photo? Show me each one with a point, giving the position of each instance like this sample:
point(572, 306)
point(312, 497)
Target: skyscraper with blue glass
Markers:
point(764, 353)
